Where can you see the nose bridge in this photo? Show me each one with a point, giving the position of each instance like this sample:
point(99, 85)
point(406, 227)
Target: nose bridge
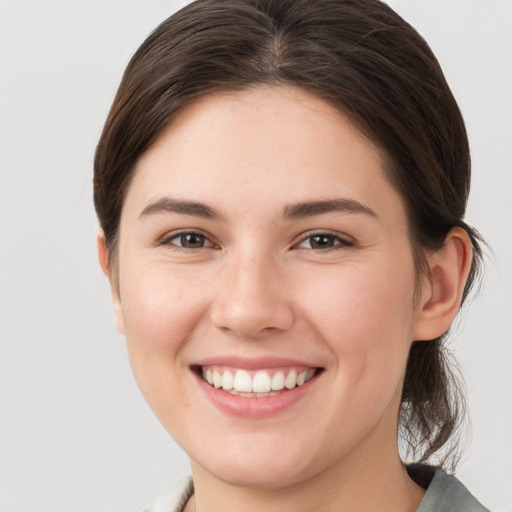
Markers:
point(251, 298)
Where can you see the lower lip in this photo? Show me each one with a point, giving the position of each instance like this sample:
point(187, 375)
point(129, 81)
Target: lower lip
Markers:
point(254, 407)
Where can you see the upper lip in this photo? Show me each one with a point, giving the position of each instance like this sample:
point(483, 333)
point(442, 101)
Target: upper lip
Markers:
point(253, 363)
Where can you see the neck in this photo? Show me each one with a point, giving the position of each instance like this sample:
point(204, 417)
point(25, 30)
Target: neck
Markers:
point(383, 485)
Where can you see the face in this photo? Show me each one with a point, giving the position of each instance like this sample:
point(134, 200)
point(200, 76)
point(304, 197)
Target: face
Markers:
point(266, 285)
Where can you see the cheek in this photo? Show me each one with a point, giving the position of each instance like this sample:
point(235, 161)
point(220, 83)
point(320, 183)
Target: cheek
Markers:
point(161, 310)
point(160, 306)
point(366, 315)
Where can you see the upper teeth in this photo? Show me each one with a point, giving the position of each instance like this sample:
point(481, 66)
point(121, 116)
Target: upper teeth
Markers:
point(261, 382)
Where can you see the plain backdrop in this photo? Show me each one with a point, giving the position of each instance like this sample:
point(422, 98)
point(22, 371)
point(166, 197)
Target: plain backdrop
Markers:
point(75, 433)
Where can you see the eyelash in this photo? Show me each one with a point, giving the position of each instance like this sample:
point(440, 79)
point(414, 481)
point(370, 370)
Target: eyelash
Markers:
point(168, 240)
point(336, 240)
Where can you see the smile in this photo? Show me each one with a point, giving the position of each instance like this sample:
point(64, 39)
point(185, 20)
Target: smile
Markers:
point(256, 383)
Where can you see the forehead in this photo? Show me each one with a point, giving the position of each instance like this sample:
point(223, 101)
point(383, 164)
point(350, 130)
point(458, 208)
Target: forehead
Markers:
point(261, 145)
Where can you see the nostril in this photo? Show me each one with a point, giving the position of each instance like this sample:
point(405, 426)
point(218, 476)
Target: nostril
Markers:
point(265, 330)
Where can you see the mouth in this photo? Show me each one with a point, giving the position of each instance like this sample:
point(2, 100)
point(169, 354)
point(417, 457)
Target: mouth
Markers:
point(259, 383)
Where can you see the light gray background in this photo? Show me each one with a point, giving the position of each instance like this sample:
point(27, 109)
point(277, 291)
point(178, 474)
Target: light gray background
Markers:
point(75, 433)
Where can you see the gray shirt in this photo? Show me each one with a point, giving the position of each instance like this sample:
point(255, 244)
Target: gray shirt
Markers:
point(444, 494)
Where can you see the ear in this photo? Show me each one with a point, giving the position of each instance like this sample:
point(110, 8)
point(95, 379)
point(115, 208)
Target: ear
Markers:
point(441, 293)
point(114, 285)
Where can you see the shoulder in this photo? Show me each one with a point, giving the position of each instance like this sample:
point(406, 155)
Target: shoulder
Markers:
point(176, 499)
point(447, 494)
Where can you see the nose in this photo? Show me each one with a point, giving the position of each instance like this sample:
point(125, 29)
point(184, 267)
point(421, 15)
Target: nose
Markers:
point(251, 298)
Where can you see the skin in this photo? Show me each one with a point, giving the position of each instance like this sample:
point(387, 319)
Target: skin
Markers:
point(260, 288)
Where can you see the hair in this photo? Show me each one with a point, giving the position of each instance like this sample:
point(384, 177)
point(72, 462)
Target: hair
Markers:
point(365, 60)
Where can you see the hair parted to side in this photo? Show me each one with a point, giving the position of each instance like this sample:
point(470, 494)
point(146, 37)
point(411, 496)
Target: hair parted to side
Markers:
point(364, 59)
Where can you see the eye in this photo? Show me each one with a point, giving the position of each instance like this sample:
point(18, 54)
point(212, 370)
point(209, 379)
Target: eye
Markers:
point(324, 241)
point(188, 240)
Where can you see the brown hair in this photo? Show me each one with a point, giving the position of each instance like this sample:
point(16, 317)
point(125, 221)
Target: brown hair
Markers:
point(364, 59)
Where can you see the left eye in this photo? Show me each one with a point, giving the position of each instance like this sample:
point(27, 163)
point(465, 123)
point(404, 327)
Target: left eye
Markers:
point(189, 240)
point(324, 241)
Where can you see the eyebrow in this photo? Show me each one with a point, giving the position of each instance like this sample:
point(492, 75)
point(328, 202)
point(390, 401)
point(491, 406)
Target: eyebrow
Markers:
point(292, 211)
point(170, 205)
point(312, 208)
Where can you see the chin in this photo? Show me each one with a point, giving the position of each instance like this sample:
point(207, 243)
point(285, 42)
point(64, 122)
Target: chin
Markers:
point(269, 476)
point(261, 466)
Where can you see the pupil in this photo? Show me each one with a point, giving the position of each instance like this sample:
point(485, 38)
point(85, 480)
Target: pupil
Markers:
point(192, 240)
point(321, 241)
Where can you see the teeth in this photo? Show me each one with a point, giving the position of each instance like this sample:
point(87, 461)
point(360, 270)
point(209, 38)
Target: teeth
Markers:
point(291, 380)
point(217, 379)
point(227, 380)
point(261, 384)
point(243, 382)
point(278, 381)
point(252, 395)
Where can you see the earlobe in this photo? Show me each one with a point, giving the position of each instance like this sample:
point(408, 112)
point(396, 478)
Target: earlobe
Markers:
point(442, 291)
point(114, 288)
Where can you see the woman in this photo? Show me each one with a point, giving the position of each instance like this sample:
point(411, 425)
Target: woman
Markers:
point(281, 187)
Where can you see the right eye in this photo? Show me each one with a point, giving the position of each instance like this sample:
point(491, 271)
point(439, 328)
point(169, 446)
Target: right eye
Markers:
point(188, 240)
